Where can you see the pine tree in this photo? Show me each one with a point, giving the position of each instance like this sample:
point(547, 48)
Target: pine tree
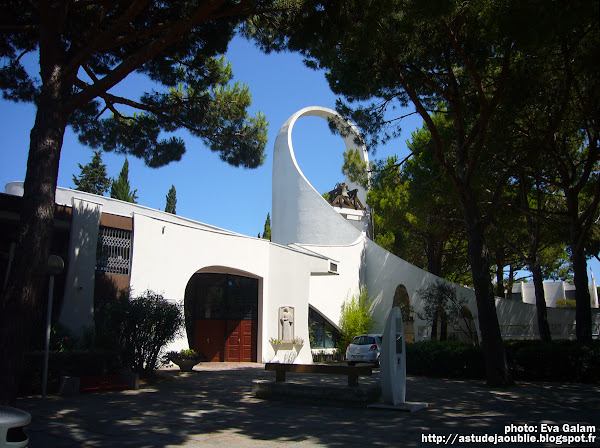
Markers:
point(120, 187)
point(177, 47)
point(93, 178)
point(171, 200)
point(267, 230)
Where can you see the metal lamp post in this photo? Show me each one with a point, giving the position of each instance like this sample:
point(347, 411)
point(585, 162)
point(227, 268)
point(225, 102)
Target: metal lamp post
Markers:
point(54, 267)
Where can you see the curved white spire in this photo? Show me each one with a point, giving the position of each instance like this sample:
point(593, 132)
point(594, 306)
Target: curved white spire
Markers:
point(299, 212)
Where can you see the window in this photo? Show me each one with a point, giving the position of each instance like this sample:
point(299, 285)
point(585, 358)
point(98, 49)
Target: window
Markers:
point(322, 333)
point(113, 254)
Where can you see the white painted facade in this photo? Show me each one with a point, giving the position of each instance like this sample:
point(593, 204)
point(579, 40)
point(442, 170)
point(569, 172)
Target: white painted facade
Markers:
point(317, 258)
point(553, 292)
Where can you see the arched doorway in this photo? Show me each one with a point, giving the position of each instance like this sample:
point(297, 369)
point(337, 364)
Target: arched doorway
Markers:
point(402, 301)
point(221, 316)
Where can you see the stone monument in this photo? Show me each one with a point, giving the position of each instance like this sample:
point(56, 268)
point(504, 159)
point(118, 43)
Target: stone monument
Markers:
point(393, 366)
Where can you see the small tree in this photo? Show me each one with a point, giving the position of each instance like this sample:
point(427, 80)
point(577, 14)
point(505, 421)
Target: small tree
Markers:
point(121, 189)
point(139, 327)
point(267, 229)
point(171, 200)
point(355, 319)
point(93, 178)
point(442, 302)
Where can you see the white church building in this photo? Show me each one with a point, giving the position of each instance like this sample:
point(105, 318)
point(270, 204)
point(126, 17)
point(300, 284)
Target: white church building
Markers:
point(245, 298)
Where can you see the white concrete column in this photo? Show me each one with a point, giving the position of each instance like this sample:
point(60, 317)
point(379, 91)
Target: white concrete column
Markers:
point(78, 305)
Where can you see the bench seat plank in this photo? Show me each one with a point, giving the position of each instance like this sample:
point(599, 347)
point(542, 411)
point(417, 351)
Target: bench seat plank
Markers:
point(353, 372)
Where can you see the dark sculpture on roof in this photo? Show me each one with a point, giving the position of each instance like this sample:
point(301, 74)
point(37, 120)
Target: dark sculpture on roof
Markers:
point(341, 197)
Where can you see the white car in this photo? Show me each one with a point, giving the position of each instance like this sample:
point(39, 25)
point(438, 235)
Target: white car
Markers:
point(364, 348)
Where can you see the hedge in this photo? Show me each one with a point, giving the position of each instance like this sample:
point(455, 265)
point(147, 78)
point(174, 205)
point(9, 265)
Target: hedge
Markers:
point(564, 361)
point(70, 363)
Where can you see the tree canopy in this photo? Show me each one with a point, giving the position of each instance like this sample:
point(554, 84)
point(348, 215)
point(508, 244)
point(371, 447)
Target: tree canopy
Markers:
point(469, 61)
point(171, 200)
point(121, 189)
point(86, 49)
point(93, 177)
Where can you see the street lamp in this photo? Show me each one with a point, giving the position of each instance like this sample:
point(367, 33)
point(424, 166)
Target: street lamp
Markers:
point(54, 267)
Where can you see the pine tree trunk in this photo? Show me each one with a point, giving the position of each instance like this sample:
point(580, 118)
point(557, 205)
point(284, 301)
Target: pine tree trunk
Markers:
point(500, 274)
point(24, 298)
point(496, 365)
point(583, 309)
point(540, 300)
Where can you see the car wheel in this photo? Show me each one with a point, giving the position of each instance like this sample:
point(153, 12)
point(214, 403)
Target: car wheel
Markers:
point(351, 363)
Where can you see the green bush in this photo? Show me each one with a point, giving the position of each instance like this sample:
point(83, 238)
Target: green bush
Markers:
point(70, 363)
point(140, 327)
point(563, 361)
point(355, 318)
point(444, 359)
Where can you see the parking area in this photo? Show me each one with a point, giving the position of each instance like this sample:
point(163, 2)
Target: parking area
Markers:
point(213, 406)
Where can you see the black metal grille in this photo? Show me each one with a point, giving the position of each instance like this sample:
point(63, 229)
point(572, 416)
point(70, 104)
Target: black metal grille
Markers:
point(113, 255)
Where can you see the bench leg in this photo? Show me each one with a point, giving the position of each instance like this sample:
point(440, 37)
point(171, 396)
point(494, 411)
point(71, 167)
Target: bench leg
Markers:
point(352, 380)
point(280, 376)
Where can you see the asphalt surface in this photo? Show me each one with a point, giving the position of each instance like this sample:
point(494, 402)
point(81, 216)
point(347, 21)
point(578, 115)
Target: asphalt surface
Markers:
point(214, 406)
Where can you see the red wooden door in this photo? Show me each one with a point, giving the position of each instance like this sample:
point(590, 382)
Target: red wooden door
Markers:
point(234, 339)
point(208, 338)
point(248, 346)
point(241, 341)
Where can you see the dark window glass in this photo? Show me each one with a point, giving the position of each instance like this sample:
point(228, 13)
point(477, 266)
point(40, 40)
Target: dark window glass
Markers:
point(322, 333)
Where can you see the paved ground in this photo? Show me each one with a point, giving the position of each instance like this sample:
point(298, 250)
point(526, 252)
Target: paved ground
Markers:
point(213, 406)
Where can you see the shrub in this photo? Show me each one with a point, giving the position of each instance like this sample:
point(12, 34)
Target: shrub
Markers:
point(444, 359)
point(564, 361)
point(71, 363)
point(140, 326)
point(355, 318)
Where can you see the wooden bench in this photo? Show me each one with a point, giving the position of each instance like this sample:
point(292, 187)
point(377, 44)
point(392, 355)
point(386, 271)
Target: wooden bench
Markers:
point(352, 372)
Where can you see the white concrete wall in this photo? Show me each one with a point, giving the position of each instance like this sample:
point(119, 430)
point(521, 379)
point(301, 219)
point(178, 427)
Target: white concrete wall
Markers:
point(77, 311)
point(553, 291)
point(299, 212)
point(166, 256)
point(386, 271)
point(329, 292)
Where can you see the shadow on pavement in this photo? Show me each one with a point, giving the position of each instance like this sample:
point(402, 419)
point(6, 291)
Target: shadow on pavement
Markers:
point(213, 405)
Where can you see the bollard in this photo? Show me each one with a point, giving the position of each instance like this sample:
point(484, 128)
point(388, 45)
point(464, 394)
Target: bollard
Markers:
point(12, 422)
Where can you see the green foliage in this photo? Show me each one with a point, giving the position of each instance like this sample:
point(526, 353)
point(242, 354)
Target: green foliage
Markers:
point(528, 360)
point(440, 297)
point(86, 362)
point(140, 326)
point(416, 217)
point(566, 303)
point(355, 318)
point(445, 360)
point(564, 361)
point(121, 189)
point(267, 229)
point(61, 339)
point(355, 168)
point(171, 201)
point(172, 356)
point(93, 177)
point(177, 45)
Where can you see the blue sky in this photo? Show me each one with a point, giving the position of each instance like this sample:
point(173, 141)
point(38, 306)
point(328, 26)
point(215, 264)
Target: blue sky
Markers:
point(209, 190)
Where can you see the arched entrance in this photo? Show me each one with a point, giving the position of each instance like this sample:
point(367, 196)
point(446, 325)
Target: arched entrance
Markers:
point(221, 316)
point(402, 301)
